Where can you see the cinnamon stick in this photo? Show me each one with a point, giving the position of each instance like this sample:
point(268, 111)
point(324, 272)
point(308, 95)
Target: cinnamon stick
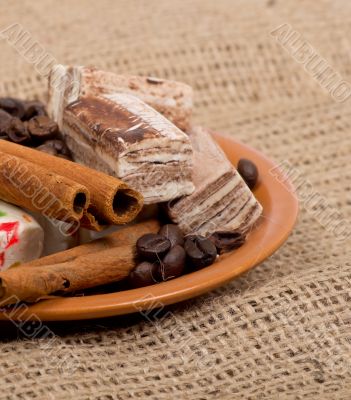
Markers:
point(112, 200)
point(28, 185)
point(124, 237)
point(32, 284)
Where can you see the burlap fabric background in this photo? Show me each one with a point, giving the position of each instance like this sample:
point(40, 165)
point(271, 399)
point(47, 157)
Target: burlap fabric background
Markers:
point(282, 331)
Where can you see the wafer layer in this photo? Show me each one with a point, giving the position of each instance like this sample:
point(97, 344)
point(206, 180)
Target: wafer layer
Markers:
point(221, 200)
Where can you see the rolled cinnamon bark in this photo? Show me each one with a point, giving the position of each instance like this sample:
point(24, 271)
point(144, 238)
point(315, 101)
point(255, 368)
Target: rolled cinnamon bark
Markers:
point(33, 284)
point(28, 185)
point(124, 237)
point(90, 221)
point(112, 200)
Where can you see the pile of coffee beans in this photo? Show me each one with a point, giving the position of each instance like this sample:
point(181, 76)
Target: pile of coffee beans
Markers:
point(27, 123)
point(168, 254)
point(248, 171)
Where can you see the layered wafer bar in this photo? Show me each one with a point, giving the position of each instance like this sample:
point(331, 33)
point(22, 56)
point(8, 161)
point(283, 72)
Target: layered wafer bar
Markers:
point(122, 136)
point(172, 99)
point(221, 201)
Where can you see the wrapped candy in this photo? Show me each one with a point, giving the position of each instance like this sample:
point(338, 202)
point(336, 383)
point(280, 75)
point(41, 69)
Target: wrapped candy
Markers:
point(21, 237)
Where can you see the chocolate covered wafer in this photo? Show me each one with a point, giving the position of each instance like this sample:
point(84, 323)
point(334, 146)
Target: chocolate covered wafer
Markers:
point(172, 99)
point(221, 201)
point(124, 137)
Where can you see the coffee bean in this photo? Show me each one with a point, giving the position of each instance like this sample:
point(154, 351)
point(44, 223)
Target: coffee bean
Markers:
point(59, 146)
point(152, 246)
point(42, 128)
point(5, 118)
point(62, 148)
point(17, 132)
point(33, 109)
point(227, 241)
point(200, 251)
point(248, 171)
point(144, 274)
point(55, 147)
point(173, 233)
point(47, 148)
point(173, 263)
point(14, 107)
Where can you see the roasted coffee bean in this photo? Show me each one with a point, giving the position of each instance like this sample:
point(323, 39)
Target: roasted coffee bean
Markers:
point(144, 274)
point(200, 251)
point(5, 118)
point(17, 132)
point(47, 148)
point(55, 147)
point(33, 109)
point(42, 128)
point(152, 247)
point(14, 107)
point(62, 148)
point(248, 171)
point(227, 241)
point(59, 146)
point(173, 263)
point(173, 233)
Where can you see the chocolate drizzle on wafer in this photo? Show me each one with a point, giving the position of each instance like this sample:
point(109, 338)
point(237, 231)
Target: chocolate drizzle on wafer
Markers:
point(124, 137)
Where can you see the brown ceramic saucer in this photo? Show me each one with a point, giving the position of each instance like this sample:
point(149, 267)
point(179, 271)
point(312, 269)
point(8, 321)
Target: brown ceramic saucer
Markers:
point(280, 207)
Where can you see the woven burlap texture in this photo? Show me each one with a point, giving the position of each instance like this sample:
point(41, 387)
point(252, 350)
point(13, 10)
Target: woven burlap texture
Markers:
point(282, 331)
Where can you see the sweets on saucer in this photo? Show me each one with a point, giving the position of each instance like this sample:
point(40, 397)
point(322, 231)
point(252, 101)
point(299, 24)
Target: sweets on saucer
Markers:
point(127, 137)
